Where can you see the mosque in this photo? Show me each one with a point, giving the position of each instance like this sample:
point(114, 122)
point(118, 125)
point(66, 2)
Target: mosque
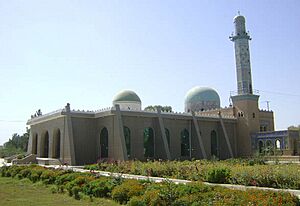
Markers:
point(203, 131)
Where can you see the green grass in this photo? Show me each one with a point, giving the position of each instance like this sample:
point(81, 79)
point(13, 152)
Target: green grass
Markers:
point(14, 192)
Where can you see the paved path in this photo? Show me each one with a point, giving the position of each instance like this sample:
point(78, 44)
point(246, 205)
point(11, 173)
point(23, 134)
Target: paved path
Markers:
point(176, 181)
point(1, 162)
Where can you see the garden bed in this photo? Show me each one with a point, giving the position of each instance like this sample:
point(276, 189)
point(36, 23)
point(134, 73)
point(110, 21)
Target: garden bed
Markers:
point(251, 172)
point(134, 192)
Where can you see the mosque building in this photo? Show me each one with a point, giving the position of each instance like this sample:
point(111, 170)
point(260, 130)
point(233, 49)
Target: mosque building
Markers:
point(203, 131)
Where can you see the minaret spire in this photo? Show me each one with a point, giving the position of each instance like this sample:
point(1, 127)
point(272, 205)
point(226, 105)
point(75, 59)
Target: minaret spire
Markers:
point(242, 56)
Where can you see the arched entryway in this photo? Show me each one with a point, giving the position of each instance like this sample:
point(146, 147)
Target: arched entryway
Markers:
point(127, 140)
point(185, 143)
point(148, 142)
point(34, 144)
point(104, 143)
point(214, 144)
point(260, 146)
point(295, 147)
point(45, 145)
point(167, 132)
point(56, 144)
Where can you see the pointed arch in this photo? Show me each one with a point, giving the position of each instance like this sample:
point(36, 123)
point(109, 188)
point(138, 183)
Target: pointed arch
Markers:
point(45, 145)
point(127, 137)
point(260, 146)
point(148, 142)
point(167, 131)
point(34, 143)
point(56, 143)
point(185, 143)
point(214, 144)
point(104, 143)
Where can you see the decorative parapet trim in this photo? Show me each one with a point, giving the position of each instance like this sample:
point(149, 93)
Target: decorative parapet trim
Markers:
point(267, 111)
point(252, 97)
point(52, 115)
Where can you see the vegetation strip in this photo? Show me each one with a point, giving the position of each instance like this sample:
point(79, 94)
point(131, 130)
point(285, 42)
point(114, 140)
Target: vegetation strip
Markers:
point(143, 192)
point(176, 181)
point(248, 172)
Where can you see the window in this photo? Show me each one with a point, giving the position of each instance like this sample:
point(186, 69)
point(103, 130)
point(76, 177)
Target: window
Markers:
point(104, 143)
point(127, 140)
point(148, 142)
point(185, 143)
point(214, 144)
point(168, 136)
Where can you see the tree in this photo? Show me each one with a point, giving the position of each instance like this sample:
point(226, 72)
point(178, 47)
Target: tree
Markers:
point(294, 127)
point(162, 108)
point(16, 144)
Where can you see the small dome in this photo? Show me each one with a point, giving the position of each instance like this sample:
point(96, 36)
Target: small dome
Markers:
point(127, 100)
point(201, 98)
point(239, 18)
point(126, 96)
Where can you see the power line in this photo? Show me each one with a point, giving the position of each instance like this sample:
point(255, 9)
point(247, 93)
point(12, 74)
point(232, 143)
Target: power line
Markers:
point(280, 93)
point(1, 120)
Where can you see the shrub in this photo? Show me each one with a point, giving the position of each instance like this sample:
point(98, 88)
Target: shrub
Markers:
point(75, 192)
point(78, 183)
point(25, 172)
point(169, 192)
point(5, 172)
point(218, 175)
point(129, 188)
point(101, 187)
point(137, 201)
point(152, 197)
point(48, 177)
point(65, 178)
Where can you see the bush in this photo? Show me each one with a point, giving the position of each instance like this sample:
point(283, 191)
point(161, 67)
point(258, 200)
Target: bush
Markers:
point(218, 175)
point(48, 177)
point(129, 188)
point(25, 172)
point(76, 185)
point(101, 187)
point(152, 197)
point(137, 201)
point(75, 192)
point(36, 174)
point(65, 178)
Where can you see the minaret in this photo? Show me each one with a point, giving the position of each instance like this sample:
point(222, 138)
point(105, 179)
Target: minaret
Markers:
point(242, 56)
point(245, 103)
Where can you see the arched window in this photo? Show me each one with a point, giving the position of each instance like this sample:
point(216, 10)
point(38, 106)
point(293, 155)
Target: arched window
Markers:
point(127, 140)
point(34, 143)
point(56, 144)
point(277, 144)
point(45, 145)
point(148, 142)
point(269, 144)
point(214, 144)
point(185, 143)
point(260, 146)
point(104, 143)
point(167, 132)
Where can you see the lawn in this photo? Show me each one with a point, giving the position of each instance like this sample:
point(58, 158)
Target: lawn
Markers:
point(16, 192)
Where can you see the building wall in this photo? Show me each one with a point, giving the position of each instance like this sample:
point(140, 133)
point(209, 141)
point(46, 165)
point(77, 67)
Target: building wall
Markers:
point(266, 120)
point(50, 127)
point(85, 135)
point(84, 132)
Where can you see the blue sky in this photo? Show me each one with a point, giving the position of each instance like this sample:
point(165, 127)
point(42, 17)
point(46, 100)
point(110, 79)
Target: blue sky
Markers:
point(84, 52)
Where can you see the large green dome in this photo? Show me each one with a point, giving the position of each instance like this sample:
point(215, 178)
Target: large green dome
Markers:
point(126, 96)
point(201, 98)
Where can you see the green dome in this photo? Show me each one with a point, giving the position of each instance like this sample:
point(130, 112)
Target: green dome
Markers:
point(201, 98)
point(126, 96)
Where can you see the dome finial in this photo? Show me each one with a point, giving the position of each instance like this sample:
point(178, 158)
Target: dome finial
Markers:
point(239, 13)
